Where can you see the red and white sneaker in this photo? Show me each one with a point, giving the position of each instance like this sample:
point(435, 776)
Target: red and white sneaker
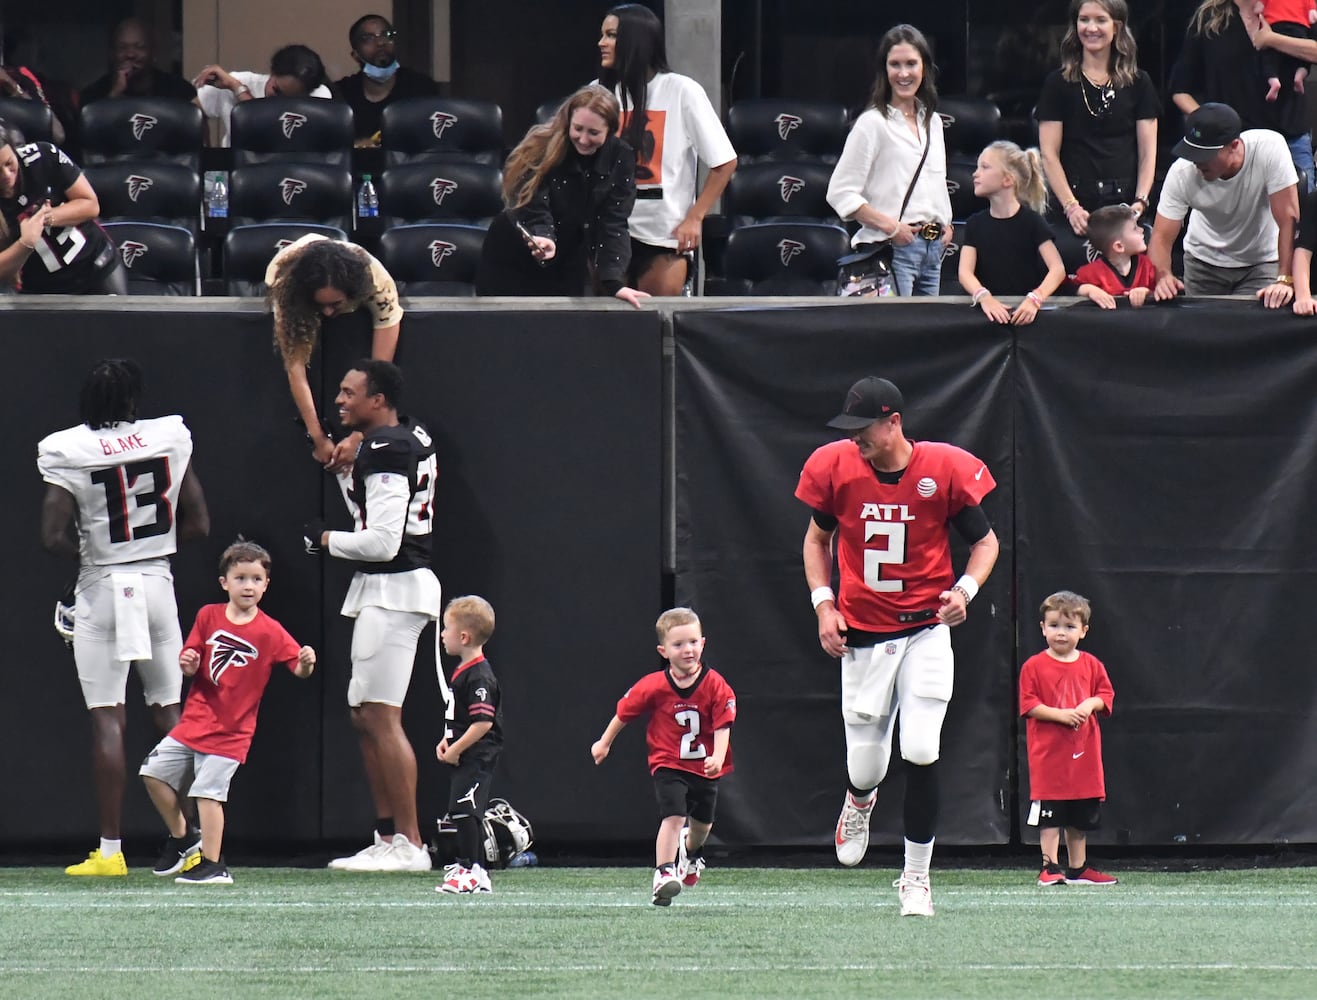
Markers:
point(915, 894)
point(1052, 874)
point(465, 881)
point(693, 871)
point(852, 837)
point(666, 885)
point(1091, 876)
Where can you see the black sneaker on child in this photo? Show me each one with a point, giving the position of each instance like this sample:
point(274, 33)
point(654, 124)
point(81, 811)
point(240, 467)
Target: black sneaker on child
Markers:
point(206, 873)
point(178, 854)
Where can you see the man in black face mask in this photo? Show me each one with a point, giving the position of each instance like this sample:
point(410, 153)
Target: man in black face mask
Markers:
point(381, 80)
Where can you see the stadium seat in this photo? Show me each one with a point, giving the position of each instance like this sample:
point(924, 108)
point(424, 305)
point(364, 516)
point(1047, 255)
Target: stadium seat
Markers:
point(444, 191)
point(438, 128)
point(158, 260)
point(545, 112)
point(971, 123)
point(784, 129)
point(302, 129)
point(301, 192)
point(137, 128)
point(949, 284)
point(1075, 251)
point(31, 118)
point(147, 191)
point(960, 186)
point(429, 259)
point(777, 191)
point(248, 251)
point(783, 259)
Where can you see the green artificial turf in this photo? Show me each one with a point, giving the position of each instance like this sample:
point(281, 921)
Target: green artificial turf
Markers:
point(592, 932)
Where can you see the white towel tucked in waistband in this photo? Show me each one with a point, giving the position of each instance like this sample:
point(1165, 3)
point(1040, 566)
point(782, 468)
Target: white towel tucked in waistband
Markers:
point(132, 632)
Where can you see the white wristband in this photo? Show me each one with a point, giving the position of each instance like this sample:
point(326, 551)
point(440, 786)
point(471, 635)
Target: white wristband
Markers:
point(968, 585)
point(820, 594)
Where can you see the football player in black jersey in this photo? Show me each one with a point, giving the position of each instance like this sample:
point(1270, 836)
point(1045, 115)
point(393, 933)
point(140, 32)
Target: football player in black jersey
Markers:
point(49, 239)
point(393, 596)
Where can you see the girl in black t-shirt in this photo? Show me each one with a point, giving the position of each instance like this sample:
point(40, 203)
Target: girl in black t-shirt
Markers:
point(1018, 255)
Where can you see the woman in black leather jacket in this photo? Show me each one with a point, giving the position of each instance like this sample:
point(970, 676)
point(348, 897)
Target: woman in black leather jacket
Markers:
point(569, 187)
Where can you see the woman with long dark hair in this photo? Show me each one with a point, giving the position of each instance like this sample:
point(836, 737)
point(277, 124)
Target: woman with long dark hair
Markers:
point(569, 187)
point(892, 174)
point(1097, 116)
point(295, 71)
point(669, 121)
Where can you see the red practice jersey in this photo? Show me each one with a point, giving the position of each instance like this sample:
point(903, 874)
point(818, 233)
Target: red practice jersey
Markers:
point(1064, 763)
point(682, 721)
point(219, 716)
point(893, 547)
point(1102, 274)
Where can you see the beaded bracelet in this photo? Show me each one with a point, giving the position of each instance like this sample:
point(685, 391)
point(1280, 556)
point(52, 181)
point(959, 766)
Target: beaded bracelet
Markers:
point(1035, 298)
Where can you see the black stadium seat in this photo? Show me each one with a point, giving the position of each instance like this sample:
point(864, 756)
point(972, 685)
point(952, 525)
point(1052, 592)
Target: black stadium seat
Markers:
point(971, 123)
point(248, 251)
point(147, 191)
point(960, 186)
point(784, 259)
point(438, 128)
point(302, 192)
point(431, 259)
point(777, 191)
point(31, 118)
point(142, 128)
point(446, 190)
point(304, 129)
point(157, 260)
point(784, 129)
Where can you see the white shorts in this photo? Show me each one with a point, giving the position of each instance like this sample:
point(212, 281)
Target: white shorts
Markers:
point(104, 678)
point(172, 762)
point(383, 654)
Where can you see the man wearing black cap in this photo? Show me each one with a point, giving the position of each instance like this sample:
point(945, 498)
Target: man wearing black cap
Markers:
point(887, 502)
point(1244, 192)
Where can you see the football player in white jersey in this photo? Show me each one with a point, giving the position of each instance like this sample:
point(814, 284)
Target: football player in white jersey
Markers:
point(393, 596)
point(120, 492)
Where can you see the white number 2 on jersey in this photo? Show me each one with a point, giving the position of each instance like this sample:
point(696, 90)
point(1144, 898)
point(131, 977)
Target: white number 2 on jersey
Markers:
point(690, 748)
point(892, 555)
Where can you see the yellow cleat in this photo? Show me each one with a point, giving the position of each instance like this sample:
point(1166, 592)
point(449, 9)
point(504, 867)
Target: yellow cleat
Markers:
point(98, 864)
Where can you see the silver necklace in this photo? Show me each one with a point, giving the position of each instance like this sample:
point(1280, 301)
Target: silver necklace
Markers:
point(1104, 94)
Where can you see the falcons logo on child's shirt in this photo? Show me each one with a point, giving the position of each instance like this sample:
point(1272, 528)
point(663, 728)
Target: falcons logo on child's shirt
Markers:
point(227, 650)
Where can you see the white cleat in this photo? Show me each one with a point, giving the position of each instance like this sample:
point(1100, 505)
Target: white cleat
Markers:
point(915, 894)
point(852, 837)
point(358, 862)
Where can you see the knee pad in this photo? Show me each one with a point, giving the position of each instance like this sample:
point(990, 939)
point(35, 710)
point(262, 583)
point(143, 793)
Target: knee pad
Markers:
point(866, 762)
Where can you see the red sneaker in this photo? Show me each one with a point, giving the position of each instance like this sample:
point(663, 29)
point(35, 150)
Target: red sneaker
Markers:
point(1052, 874)
point(1091, 876)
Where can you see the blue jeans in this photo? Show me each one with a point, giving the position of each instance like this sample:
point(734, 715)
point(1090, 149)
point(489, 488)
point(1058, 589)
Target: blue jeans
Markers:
point(917, 267)
point(1301, 154)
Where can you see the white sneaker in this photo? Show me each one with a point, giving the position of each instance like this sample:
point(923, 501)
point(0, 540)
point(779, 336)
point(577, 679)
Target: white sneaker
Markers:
point(852, 837)
point(364, 856)
point(481, 878)
point(465, 881)
point(916, 895)
point(401, 856)
point(666, 885)
point(683, 863)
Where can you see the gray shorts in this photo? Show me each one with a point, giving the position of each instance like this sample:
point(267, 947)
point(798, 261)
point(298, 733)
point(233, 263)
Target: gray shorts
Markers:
point(172, 763)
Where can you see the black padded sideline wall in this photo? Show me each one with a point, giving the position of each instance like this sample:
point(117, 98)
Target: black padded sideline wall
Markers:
point(547, 427)
point(754, 388)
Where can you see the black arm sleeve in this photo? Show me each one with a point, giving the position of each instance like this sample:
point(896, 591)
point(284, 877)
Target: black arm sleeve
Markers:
point(825, 521)
point(972, 524)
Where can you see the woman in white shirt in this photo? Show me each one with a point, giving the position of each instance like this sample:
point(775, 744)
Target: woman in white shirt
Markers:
point(669, 121)
point(878, 181)
point(295, 71)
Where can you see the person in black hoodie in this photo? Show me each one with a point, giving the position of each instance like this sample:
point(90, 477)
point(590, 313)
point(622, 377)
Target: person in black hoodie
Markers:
point(569, 187)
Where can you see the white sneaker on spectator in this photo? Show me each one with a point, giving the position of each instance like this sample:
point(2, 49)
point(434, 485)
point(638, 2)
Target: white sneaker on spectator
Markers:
point(354, 862)
point(401, 856)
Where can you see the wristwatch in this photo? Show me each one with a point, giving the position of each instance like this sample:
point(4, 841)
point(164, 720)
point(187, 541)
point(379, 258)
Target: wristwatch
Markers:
point(1284, 279)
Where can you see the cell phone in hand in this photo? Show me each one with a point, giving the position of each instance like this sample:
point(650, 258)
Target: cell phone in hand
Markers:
point(530, 242)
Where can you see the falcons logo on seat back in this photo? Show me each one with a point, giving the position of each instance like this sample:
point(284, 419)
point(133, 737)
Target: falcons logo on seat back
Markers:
point(786, 124)
point(130, 250)
point(136, 184)
point(789, 250)
point(440, 121)
point(227, 650)
point(788, 185)
point(442, 187)
point(290, 187)
point(441, 251)
point(280, 244)
point(291, 121)
point(142, 124)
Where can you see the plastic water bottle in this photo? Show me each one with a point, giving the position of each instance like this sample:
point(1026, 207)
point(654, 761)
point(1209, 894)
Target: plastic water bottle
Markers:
point(368, 202)
point(217, 201)
point(523, 859)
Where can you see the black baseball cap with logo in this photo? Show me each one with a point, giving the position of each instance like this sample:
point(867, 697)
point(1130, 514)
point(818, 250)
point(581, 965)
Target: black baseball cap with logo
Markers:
point(868, 400)
point(1207, 131)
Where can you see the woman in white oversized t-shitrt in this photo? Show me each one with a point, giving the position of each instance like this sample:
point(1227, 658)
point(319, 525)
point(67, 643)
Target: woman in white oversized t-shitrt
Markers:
point(669, 121)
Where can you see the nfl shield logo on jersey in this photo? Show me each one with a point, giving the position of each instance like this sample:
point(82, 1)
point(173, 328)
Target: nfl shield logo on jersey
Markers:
point(128, 593)
point(890, 649)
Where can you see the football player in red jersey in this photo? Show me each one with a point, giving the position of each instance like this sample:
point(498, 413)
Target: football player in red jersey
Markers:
point(888, 503)
point(691, 710)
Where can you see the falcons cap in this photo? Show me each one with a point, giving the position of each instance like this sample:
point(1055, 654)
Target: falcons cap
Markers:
point(1207, 131)
point(868, 400)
